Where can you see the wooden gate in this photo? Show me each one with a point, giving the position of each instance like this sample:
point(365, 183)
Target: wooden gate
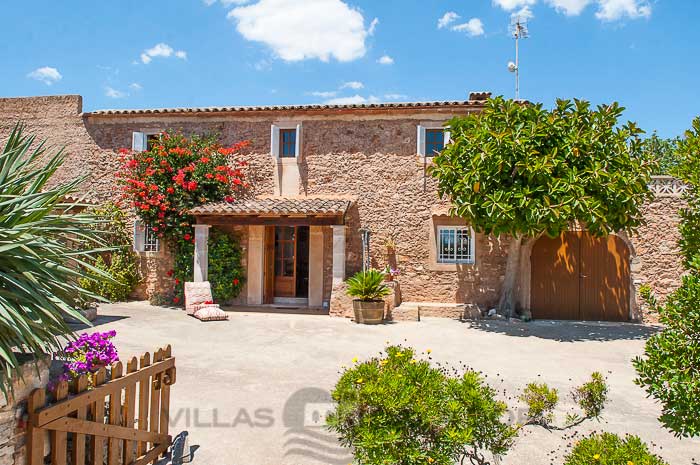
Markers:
point(577, 276)
point(120, 421)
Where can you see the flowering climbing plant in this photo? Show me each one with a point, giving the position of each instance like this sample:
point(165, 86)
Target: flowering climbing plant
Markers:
point(175, 174)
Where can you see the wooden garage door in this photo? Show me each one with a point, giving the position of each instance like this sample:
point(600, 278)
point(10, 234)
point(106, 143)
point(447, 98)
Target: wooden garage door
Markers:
point(580, 277)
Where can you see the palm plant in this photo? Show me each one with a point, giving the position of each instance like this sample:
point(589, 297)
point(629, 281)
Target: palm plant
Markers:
point(46, 246)
point(368, 285)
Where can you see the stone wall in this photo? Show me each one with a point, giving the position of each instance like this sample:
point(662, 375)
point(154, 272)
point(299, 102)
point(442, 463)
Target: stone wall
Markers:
point(13, 410)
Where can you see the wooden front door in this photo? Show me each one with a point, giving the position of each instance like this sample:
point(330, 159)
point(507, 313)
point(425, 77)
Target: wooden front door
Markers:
point(580, 277)
point(285, 261)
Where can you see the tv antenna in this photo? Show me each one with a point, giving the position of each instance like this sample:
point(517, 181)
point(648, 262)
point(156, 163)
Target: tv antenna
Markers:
point(518, 27)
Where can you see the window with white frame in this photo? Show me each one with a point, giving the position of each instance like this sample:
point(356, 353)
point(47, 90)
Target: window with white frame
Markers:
point(455, 244)
point(431, 139)
point(145, 238)
point(285, 140)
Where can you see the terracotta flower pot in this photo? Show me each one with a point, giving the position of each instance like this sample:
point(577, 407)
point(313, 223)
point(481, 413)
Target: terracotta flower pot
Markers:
point(368, 312)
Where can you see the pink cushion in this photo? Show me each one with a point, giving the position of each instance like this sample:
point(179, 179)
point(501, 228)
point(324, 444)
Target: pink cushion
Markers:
point(210, 313)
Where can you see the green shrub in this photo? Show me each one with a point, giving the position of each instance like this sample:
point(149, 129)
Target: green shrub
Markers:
point(399, 410)
point(592, 396)
point(368, 285)
point(123, 268)
point(541, 401)
point(610, 449)
point(670, 370)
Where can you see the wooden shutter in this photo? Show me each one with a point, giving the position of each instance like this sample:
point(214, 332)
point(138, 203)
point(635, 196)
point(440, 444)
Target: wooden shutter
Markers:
point(139, 236)
point(275, 141)
point(420, 149)
point(297, 148)
point(446, 137)
point(139, 141)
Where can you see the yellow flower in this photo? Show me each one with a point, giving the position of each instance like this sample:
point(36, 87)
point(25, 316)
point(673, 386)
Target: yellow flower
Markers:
point(354, 360)
point(428, 351)
point(413, 361)
point(629, 462)
point(431, 460)
point(360, 380)
point(383, 362)
point(596, 457)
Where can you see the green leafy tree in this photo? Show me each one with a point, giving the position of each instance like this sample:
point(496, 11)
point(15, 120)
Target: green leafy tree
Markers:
point(663, 151)
point(670, 368)
point(47, 246)
point(520, 170)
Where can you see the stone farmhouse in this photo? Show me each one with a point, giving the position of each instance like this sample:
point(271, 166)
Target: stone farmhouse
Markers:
point(336, 186)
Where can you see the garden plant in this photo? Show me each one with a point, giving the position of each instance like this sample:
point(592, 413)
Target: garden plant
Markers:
point(48, 246)
point(611, 449)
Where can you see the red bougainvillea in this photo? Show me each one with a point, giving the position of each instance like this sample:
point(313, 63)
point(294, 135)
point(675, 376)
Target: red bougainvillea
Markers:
point(175, 174)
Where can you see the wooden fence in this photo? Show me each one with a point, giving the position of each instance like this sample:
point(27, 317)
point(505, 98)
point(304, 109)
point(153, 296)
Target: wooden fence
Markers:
point(120, 421)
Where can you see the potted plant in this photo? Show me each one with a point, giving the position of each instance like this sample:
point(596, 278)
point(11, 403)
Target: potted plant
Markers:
point(369, 291)
point(390, 273)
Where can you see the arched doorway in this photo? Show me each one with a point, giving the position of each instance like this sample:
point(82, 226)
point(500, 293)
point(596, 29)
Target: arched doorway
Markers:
point(577, 276)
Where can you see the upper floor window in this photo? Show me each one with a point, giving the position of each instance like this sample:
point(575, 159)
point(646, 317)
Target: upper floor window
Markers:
point(434, 141)
point(455, 244)
point(286, 140)
point(150, 140)
point(288, 143)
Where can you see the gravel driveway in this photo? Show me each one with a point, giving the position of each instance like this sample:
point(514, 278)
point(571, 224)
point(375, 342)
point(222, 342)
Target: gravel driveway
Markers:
point(254, 389)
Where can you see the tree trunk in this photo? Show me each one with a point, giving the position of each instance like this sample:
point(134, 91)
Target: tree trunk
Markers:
point(506, 304)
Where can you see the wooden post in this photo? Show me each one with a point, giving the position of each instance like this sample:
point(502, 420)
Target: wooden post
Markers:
point(129, 409)
point(78, 452)
point(154, 422)
point(165, 395)
point(35, 436)
point(98, 409)
point(59, 439)
point(115, 401)
point(144, 391)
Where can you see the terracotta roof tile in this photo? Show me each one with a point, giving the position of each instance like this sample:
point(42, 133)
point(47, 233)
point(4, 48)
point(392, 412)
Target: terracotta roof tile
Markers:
point(472, 102)
point(276, 206)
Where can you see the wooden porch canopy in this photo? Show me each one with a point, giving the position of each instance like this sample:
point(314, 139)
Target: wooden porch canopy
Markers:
point(282, 211)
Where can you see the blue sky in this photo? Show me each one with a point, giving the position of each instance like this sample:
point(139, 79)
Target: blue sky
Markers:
point(165, 53)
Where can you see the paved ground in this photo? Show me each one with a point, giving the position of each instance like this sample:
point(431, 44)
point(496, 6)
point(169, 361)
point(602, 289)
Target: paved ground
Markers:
point(249, 391)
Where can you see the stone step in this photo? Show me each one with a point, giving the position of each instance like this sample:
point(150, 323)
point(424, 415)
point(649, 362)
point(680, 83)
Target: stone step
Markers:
point(413, 311)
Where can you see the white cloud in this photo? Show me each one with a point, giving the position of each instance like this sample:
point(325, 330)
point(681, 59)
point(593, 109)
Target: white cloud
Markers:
point(395, 97)
point(161, 50)
point(295, 30)
point(373, 26)
point(353, 100)
point(135, 86)
point(511, 5)
point(385, 60)
point(324, 94)
point(352, 85)
point(612, 10)
point(114, 93)
point(474, 27)
point(447, 19)
point(525, 14)
point(569, 7)
point(46, 74)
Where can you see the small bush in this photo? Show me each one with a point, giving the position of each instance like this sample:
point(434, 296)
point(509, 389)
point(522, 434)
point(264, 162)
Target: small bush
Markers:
point(399, 410)
point(161, 299)
point(368, 285)
point(610, 449)
point(592, 396)
point(669, 371)
point(123, 268)
point(541, 401)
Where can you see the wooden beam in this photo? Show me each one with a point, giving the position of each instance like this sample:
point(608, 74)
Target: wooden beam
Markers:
point(152, 454)
point(92, 428)
point(270, 220)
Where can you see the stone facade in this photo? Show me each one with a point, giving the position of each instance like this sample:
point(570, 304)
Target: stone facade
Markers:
point(368, 154)
point(13, 413)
